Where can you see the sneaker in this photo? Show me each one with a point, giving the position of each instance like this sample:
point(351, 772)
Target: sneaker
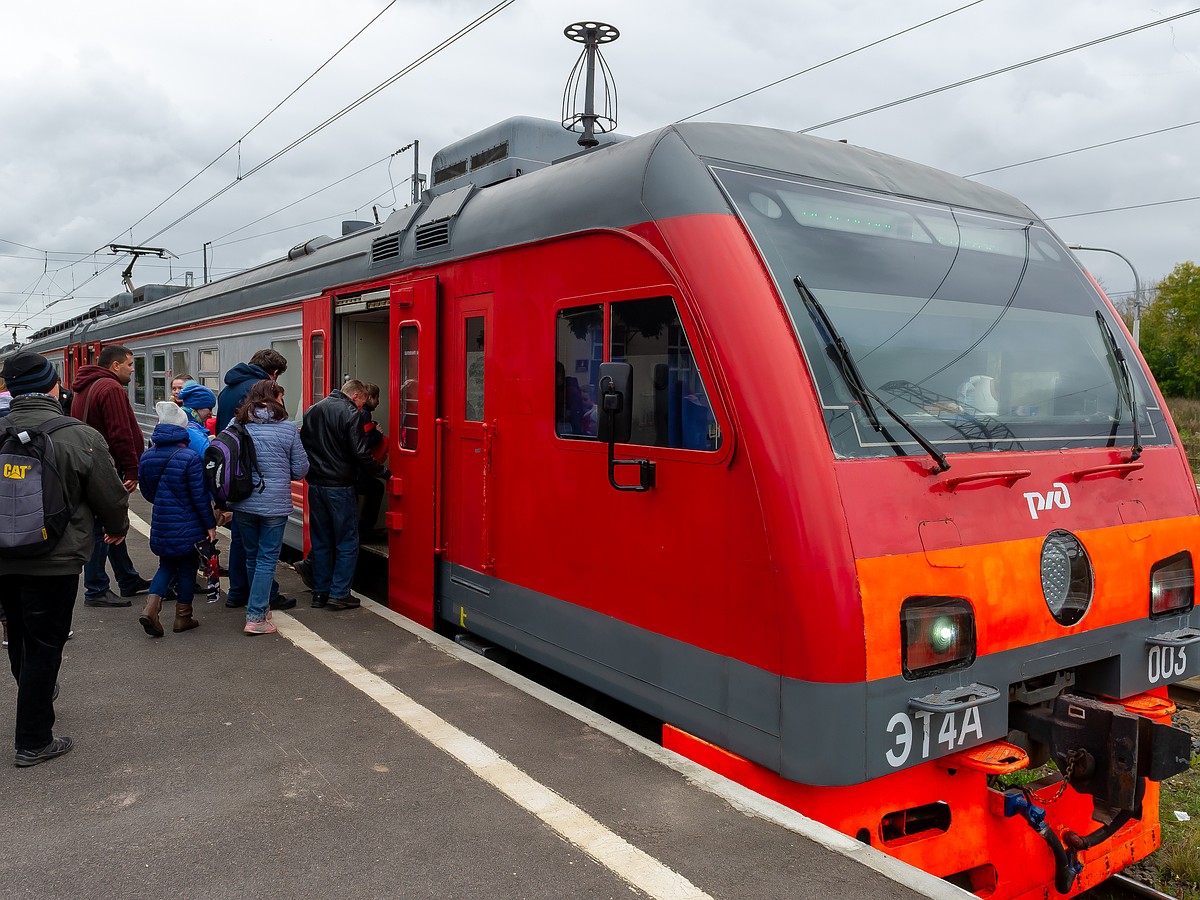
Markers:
point(70, 634)
point(54, 693)
point(140, 588)
point(304, 570)
point(234, 604)
point(344, 603)
point(279, 601)
point(260, 628)
point(108, 598)
point(319, 601)
point(56, 747)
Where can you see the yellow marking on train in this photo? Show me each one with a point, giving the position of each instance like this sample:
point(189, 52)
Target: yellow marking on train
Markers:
point(462, 617)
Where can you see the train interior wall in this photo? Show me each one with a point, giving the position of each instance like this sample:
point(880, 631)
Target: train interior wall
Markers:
point(362, 348)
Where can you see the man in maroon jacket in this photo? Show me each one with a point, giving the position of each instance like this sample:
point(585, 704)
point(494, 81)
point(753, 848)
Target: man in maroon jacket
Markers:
point(100, 400)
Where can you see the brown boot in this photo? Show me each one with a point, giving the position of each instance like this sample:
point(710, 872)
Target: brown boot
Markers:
point(183, 618)
point(149, 616)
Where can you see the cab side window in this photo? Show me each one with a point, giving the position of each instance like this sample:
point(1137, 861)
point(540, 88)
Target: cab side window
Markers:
point(670, 405)
point(579, 350)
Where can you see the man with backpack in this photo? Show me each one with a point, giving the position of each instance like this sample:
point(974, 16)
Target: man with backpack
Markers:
point(69, 464)
point(101, 401)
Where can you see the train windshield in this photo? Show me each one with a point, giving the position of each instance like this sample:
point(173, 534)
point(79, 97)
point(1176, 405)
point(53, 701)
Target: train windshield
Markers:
point(980, 330)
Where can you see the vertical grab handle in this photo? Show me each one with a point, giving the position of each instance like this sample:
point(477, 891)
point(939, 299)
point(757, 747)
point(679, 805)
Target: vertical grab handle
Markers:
point(439, 426)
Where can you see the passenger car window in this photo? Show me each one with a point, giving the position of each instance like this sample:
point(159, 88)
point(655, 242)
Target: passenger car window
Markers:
point(139, 381)
point(409, 360)
point(474, 397)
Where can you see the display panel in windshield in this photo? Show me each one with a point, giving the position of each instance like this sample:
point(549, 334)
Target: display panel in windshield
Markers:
point(980, 330)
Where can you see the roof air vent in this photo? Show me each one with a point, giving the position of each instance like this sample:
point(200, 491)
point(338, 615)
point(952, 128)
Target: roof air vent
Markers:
point(387, 247)
point(434, 234)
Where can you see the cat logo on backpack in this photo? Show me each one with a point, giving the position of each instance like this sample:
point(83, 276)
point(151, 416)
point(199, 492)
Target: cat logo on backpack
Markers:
point(33, 500)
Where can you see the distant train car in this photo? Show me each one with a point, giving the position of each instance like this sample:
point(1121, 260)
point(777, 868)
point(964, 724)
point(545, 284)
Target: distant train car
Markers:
point(839, 465)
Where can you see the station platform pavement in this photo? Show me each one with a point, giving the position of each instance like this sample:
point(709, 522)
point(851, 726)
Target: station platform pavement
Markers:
point(357, 755)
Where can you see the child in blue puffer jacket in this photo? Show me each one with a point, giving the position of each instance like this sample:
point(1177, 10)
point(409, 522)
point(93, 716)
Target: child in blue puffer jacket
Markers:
point(171, 476)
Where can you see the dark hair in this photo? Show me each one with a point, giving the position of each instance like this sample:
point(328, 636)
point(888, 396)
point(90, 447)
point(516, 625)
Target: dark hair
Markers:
point(270, 361)
point(372, 391)
point(111, 354)
point(263, 395)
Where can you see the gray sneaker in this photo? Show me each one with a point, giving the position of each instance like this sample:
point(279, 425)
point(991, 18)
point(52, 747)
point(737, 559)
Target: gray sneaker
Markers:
point(108, 598)
point(56, 747)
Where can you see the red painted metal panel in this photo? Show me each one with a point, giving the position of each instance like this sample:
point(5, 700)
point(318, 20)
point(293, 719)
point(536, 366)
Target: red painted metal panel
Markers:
point(413, 458)
point(317, 330)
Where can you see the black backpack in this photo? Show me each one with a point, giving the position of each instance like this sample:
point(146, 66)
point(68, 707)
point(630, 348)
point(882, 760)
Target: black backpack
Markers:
point(229, 466)
point(33, 499)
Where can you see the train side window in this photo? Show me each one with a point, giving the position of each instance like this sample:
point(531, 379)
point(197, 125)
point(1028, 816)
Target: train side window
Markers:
point(210, 368)
point(290, 379)
point(473, 391)
point(179, 363)
point(158, 377)
point(139, 381)
point(316, 345)
point(410, 358)
point(579, 350)
point(670, 404)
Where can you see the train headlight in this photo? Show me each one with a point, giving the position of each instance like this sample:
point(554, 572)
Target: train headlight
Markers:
point(1067, 582)
point(1172, 585)
point(937, 634)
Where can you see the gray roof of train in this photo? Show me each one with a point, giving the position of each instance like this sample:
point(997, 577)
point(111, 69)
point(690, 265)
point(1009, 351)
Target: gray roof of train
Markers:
point(657, 175)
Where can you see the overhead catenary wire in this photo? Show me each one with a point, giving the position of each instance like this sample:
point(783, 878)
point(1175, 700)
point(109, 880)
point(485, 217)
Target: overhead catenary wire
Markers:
point(1000, 71)
point(827, 62)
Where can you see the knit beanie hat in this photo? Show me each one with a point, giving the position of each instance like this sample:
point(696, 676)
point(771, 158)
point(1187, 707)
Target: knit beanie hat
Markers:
point(29, 373)
point(170, 414)
point(196, 396)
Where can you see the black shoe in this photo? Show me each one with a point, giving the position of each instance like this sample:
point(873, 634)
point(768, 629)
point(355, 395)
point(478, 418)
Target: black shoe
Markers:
point(56, 747)
point(279, 601)
point(54, 695)
point(140, 588)
point(344, 603)
point(304, 570)
point(319, 601)
point(108, 598)
point(234, 604)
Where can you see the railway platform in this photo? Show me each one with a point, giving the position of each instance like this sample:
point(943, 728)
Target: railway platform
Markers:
point(355, 755)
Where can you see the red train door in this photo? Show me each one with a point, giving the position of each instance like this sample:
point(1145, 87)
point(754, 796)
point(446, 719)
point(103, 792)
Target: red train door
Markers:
point(472, 431)
point(414, 457)
point(317, 379)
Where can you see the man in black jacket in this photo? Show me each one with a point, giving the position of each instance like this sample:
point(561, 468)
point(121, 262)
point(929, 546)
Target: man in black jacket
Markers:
point(337, 452)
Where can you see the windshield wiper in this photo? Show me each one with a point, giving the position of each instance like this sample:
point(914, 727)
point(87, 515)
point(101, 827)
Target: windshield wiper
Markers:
point(840, 353)
point(1124, 382)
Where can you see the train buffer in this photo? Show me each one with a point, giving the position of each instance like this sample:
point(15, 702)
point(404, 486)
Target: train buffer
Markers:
point(348, 756)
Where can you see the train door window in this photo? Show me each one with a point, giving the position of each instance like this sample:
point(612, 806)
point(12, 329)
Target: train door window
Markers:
point(670, 405)
point(290, 379)
point(409, 360)
point(209, 366)
point(139, 381)
point(317, 345)
point(179, 364)
point(579, 350)
point(91, 355)
point(473, 408)
point(158, 377)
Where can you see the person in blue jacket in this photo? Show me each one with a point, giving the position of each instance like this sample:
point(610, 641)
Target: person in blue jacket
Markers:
point(171, 476)
point(198, 403)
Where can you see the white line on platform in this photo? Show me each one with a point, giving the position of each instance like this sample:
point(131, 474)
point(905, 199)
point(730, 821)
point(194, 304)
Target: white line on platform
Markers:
point(593, 837)
point(632, 865)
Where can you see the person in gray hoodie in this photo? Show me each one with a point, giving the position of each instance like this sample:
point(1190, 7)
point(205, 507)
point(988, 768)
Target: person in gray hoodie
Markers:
point(262, 517)
point(38, 593)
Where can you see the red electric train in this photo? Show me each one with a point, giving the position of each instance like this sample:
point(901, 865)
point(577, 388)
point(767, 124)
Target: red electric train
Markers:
point(839, 465)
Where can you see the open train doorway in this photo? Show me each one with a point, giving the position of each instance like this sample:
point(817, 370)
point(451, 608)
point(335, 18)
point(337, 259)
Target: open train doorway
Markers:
point(360, 344)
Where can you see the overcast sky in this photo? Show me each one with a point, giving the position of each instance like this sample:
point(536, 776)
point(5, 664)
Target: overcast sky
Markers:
point(107, 109)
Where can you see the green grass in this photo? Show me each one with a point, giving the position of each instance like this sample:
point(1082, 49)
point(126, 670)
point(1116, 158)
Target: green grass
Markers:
point(1178, 860)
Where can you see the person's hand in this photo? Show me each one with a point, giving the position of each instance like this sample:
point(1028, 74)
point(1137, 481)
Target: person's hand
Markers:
point(212, 535)
point(130, 485)
point(115, 538)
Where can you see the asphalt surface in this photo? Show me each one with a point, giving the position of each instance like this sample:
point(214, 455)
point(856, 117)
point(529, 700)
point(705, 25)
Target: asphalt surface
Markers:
point(215, 765)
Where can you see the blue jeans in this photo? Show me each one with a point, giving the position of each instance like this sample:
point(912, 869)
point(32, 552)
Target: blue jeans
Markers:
point(239, 586)
point(177, 570)
point(333, 529)
point(95, 579)
point(262, 538)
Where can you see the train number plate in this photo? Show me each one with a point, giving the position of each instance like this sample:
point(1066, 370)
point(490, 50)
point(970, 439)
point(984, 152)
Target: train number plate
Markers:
point(1165, 665)
point(919, 735)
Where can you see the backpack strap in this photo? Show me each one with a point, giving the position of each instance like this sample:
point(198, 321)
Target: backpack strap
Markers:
point(49, 426)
